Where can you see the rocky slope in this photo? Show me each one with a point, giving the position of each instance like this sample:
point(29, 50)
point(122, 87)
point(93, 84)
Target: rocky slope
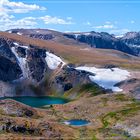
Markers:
point(114, 116)
point(129, 43)
point(29, 70)
point(34, 67)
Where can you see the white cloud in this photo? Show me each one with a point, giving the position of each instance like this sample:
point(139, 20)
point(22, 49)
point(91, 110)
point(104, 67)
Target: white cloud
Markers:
point(18, 7)
point(55, 20)
point(11, 23)
point(106, 26)
point(132, 21)
point(8, 21)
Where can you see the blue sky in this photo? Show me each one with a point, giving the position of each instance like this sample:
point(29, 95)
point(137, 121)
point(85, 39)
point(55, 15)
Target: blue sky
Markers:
point(113, 16)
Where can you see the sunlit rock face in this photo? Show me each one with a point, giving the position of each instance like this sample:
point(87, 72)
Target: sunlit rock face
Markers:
point(24, 65)
point(19, 61)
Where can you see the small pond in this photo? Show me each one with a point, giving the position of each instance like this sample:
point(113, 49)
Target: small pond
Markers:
point(38, 101)
point(77, 122)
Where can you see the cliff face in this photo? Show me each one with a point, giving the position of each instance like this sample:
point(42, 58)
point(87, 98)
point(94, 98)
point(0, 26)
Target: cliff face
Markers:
point(9, 68)
point(129, 43)
point(20, 66)
point(132, 39)
point(20, 61)
point(29, 70)
point(105, 42)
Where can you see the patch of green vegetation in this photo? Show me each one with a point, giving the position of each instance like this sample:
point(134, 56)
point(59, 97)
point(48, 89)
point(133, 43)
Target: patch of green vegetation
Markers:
point(118, 115)
point(12, 115)
point(91, 88)
point(61, 97)
point(135, 102)
point(80, 90)
point(105, 122)
point(130, 66)
point(94, 137)
point(121, 97)
point(73, 91)
point(70, 59)
point(1, 111)
point(128, 111)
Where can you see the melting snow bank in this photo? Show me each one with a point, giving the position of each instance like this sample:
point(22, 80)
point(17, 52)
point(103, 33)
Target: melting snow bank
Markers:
point(107, 78)
point(19, 33)
point(53, 61)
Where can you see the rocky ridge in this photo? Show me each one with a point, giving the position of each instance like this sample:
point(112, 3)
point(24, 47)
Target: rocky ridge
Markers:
point(128, 43)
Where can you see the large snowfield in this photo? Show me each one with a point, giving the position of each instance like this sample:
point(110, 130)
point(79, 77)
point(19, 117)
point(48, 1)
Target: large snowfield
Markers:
point(107, 78)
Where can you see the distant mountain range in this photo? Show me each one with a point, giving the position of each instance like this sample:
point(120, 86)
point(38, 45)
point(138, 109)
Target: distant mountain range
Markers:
point(128, 43)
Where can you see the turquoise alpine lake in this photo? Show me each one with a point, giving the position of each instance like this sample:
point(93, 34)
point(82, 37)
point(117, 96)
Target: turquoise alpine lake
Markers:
point(38, 101)
point(76, 122)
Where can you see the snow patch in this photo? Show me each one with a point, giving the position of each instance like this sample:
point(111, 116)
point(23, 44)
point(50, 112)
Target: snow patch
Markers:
point(119, 36)
point(86, 33)
point(25, 47)
point(107, 78)
point(22, 63)
point(76, 35)
point(19, 33)
point(10, 31)
point(53, 61)
point(67, 123)
point(16, 44)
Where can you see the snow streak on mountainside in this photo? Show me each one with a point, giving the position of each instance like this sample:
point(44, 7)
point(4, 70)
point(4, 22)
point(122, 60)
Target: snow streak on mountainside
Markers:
point(22, 61)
